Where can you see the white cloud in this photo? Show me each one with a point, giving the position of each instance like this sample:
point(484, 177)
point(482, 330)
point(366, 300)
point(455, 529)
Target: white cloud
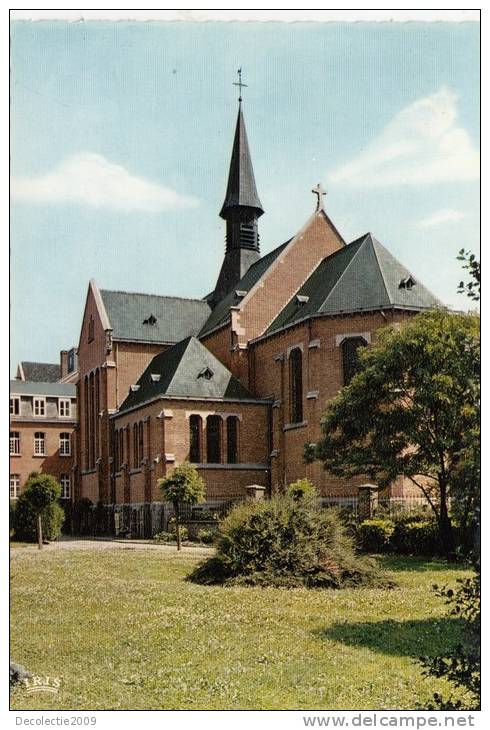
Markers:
point(90, 179)
point(439, 217)
point(421, 145)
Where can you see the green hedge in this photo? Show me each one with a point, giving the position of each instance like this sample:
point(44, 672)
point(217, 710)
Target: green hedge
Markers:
point(416, 538)
point(374, 535)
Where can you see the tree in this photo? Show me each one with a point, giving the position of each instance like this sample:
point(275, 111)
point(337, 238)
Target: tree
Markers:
point(471, 263)
point(41, 491)
point(412, 410)
point(182, 486)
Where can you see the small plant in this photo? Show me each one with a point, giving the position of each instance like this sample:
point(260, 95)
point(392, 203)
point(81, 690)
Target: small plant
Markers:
point(164, 536)
point(37, 511)
point(206, 536)
point(182, 486)
point(374, 535)
point(301, 489)
point(416, 538)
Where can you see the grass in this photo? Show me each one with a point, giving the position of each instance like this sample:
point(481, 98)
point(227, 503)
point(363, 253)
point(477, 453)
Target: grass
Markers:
point(123, 630)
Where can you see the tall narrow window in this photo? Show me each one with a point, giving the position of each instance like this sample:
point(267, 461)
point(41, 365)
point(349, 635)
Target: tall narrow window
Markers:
point(232, 439)
point(14, 486)
point(91, 329)
point(65, 444)
point(39, 407)
point(39, 444)
point(87, 422)
point(14, 405)
point(195, 426)
point(135, 446)
point(91, 397)
point(117, 458)
point(213, 439)
point(121, 448)
point(141, 442)
point(296, 385)
point(14, 443)
point(350, 357)
point(65, 486)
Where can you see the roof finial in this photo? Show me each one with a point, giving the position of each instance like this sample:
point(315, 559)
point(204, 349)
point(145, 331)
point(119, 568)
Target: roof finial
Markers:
point(239, 83)
point(319, 191)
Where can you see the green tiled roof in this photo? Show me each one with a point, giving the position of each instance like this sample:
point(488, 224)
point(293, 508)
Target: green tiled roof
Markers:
point(173, 317)
point(25, 387)
point(361, 276)
point(221, 312)
point(182, 370)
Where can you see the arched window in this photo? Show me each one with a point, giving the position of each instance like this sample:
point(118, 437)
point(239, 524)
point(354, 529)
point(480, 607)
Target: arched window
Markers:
point(121, 447)
point(296, 385)
point(195, 427)
point(213, 439)
point(87, 424)
point(232, 439)
point(117, 457)
point(135, 445)
point(141, 449)
point(350, 357)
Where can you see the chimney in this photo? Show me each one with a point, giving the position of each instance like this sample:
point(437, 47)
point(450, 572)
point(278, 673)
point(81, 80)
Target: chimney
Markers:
point(63, 364)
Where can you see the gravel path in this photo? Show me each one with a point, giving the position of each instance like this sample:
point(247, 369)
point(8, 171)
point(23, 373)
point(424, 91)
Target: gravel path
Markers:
point(68, 543)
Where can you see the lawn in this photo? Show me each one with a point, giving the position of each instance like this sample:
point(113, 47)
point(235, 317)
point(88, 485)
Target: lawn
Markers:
point(123, 630)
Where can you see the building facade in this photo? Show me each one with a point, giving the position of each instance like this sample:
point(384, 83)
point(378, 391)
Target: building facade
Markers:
point(235, 382)
point(43, 418)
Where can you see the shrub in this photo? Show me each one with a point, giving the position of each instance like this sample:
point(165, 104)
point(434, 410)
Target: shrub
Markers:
point(416, 538)
point(164, 536)
point(374, 535)
point(25, 520)
point(301, 489)
point(171, 535)
point(286, 542)
point(206, 536)
point(204, 515)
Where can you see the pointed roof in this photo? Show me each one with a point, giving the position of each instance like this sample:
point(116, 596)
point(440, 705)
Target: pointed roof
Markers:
point(241, 190)
point(186, 370)
point(36, 372)
point(150, 318)
point(361, 276)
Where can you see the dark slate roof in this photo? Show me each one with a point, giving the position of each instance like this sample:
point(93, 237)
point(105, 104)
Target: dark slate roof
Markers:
point(241, 188)
point(221, 312)
point(24, 387)
point(361, 276)
point(175, 317)
point(45, 372)
point(181, 371)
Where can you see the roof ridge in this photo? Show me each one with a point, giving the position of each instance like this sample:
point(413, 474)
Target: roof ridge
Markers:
point(149, 294)
point(379, 265)
point(362, 240)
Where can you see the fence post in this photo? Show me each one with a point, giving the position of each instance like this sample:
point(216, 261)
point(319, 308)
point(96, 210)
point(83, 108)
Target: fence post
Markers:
point(367, 501)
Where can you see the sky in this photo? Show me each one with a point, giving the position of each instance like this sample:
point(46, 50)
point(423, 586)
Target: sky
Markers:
point(121, 138)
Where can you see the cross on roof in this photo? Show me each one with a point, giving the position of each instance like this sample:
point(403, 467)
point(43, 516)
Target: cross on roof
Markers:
point(239, 82)
point(319, 191)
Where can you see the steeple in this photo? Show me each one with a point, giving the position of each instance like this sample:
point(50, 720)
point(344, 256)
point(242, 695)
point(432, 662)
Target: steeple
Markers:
point(241, 211)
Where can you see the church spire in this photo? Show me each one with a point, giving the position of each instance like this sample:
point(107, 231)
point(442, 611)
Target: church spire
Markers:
point(241, 211)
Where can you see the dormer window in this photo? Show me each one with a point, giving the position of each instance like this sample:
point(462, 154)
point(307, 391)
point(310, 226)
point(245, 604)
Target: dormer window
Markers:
point(301, 299)
point(206, 373)
point(240, 293)
point(407, 283)
point(155, 377)
point(151, 319)
point(135, 388)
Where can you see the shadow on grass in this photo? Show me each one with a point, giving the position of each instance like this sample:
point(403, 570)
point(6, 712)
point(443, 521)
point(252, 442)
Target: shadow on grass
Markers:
point(426, 637)
point(420, 564)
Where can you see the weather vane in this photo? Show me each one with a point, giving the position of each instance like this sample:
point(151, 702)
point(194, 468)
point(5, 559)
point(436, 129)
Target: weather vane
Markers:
point(239, 82)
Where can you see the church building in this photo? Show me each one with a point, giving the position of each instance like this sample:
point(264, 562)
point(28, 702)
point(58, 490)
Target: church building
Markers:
point(235, 382)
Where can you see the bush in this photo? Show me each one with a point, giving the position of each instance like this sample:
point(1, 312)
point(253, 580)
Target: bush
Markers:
point(374, 535)
point(206, 536)
point(416, 538)
point(301, 489)
point(25, 520)
point(286, 542)
point(204, 515)
point(171, 536)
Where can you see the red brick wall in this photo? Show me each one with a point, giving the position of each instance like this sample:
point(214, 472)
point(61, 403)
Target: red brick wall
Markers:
point(52, 463)
point(167, 444)
point(322, 372)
